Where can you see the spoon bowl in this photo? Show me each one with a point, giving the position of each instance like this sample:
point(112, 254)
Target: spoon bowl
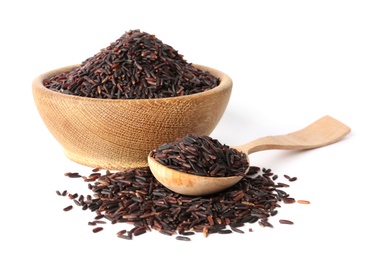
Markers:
point(322, 132)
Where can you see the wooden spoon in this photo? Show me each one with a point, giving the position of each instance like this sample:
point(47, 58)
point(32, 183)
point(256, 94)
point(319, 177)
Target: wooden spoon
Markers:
point(322, 132)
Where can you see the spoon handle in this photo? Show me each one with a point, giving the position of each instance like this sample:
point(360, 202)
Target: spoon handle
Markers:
point(324, 131)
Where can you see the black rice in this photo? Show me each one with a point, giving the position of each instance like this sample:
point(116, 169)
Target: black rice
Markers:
point(284, 221)
point(135, 197)
point(68, 208)
point(203, 156)
point(293, 179)
point(136, 66)
point(97, 229)
point(182, 238)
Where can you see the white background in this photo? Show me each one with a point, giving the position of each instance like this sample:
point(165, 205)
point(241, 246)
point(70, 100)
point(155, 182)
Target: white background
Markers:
point(291, 62)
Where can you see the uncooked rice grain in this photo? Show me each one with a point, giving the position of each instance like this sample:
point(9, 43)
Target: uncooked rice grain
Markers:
point(135, 197)
point(136, 66)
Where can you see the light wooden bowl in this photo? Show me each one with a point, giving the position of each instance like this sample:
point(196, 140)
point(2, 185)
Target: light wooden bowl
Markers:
point(119, 134)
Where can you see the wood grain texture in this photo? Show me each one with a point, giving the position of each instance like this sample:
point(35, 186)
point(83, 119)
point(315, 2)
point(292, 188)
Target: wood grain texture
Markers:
point(119, 134)
point(324, 131)
point(187, 183)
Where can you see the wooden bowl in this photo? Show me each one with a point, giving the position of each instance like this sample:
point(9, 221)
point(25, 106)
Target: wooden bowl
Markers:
point(119, 134)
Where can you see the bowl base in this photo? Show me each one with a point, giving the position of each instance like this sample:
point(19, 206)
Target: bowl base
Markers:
point(105, 164)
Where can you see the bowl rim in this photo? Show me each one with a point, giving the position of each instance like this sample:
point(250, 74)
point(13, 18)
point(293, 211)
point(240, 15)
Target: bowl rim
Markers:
point(225, 83)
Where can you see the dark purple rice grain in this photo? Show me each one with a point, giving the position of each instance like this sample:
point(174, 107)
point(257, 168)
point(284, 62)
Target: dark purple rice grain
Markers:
point(81, 198)
point(73, 174)
point(139, 231)
point(68, 208)
point(224, 231)
point(64, 193)
point(182, 238)
point(265, 223)
point(237, 224)
point(284, 221)
point(274, 212)
point(135, 197)
point(237, 230)
point(58, 193)
point(203, 156)
point(127, 237)
point(288, 200)
point(293, 179)
point(164, 232)
point(135, 66)
point(266, 170)
point(77, 202)
point(281, 184)
point(121, 232)
point(99, 222)
point(97, 229)
point(73, 196)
